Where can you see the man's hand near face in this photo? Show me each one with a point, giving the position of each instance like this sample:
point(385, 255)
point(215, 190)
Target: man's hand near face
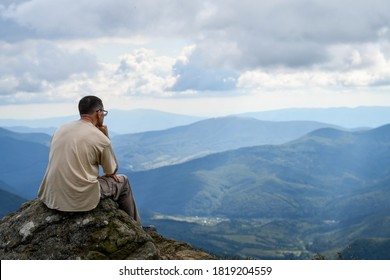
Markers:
point(104, 129)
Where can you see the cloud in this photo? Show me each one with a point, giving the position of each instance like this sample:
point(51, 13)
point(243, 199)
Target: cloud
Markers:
point(250, 34)
point(353, 68)
point(38, 66)
point(193, 77)
point(194, 73)
point(90, 19)
point(234, 45)
point(145, 73)
point(293, 34)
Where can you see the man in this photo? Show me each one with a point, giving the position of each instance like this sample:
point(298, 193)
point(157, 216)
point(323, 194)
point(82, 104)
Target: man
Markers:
point(72, 181)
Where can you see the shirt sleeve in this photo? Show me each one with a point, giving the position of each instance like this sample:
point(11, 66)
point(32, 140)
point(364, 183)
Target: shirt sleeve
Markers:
point(108, 160)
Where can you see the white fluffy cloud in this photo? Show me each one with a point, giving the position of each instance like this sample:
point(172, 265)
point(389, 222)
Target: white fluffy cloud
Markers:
point(236, 46)
point(351, 66)
point(142, 72)
point(37, 67)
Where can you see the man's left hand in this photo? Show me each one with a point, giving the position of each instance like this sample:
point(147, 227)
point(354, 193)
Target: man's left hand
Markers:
point(114, 176)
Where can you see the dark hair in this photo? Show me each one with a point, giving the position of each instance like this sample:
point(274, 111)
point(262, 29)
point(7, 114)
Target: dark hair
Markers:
point(89, 104)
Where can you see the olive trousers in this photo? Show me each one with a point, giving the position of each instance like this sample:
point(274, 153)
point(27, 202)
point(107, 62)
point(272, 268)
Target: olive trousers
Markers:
point(121, 193)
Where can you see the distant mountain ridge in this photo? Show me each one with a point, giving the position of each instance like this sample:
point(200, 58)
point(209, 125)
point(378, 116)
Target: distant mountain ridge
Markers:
point(40, 138)
point(24, 161)
point(26, 154)
point(364, 116)
point(154, 149)
point(142, 120)
point(118, 121)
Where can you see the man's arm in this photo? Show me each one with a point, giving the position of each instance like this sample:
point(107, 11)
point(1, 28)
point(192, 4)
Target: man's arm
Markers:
point(113, 175)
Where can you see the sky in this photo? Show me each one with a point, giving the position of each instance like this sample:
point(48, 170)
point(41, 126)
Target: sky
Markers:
point(203, 58)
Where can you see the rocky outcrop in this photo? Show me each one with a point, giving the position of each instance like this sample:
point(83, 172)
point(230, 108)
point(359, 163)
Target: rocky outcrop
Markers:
point(171, 249)
point(39, 233)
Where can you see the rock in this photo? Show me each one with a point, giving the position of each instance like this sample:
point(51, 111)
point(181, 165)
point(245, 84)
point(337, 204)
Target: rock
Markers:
point(35, 232)
point(171, 249)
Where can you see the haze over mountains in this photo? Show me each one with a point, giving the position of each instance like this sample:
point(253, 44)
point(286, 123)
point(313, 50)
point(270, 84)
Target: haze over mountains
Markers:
point(26, 154)
point(313, 186)
point(134, 121)
point(118, 121)
point(344, 117)
point(154, 149)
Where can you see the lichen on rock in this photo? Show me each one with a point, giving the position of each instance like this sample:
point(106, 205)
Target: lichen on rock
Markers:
point(38, 233)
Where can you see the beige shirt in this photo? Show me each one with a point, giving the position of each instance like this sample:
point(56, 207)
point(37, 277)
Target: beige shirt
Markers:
point(70, 183)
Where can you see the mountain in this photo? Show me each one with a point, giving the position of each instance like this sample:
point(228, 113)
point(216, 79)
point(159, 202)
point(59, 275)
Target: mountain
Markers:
point(37, 125)
point(8, 201)
point(314, 194)
point(35, 232)
point(26, 129)
point(122, 122)
point(141, 120)
point(369, 249)
point(37, 137)
point(118, 121)
point(344, 117)
point(24, 161)
point(25, 155)
point(176, 145)
point(300, 178)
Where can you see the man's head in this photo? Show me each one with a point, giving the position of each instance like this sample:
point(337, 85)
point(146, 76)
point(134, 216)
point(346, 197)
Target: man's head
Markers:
point(91, 107)
point(90, 104)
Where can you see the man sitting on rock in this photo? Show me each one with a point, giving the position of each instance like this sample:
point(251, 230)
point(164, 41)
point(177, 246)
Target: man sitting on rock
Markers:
point(72, 182)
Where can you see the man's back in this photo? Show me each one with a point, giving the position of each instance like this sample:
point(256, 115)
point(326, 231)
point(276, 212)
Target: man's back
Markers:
point(70, 182)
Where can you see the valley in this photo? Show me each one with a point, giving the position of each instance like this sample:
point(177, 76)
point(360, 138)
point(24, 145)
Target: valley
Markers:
point(243, 188)
point(252, 238)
